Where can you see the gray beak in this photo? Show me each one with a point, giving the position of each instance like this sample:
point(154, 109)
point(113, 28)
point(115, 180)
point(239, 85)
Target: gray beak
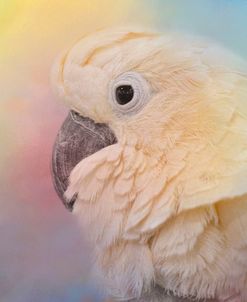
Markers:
point(78, 138)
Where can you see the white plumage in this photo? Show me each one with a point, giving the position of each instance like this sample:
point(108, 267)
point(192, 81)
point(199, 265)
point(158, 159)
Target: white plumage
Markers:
point(167, 204)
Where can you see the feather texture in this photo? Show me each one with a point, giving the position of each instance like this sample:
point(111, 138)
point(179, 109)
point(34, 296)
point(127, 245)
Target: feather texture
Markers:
point(168, 202)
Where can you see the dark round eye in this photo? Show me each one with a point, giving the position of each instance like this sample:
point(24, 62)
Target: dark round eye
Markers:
point(124, 94)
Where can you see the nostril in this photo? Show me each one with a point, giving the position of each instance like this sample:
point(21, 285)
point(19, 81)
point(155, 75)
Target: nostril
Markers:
point(70, 203)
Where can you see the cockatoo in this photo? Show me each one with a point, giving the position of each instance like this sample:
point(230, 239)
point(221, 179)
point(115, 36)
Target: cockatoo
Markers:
point(152, 160)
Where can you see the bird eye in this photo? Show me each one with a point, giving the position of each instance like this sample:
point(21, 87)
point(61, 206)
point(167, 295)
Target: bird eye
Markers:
point(124, 94)
point(129, 93)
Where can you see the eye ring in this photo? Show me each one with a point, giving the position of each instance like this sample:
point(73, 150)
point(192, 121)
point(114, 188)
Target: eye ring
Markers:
point(140, 96)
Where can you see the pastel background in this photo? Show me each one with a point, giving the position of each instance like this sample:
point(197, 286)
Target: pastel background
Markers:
point(42, 254)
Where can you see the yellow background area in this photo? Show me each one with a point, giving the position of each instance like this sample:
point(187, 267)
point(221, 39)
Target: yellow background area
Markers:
point(32, 32)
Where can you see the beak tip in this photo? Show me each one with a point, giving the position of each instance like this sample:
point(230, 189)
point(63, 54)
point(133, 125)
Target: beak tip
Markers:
point(69, 204)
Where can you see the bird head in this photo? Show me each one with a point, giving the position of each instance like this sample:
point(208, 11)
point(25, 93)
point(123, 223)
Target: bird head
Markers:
point(162, 94)
point(136, 82)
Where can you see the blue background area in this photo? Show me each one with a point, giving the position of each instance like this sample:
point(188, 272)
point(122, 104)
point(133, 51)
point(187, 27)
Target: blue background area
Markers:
point(222, 20)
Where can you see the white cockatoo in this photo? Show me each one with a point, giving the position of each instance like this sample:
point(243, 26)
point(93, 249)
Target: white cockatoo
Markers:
point(157, 144)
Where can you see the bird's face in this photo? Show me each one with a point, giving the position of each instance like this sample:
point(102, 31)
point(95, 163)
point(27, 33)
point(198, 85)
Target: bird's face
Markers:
point(131, 87)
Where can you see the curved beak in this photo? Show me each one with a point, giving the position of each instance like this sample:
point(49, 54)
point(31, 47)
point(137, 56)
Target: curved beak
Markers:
point(78, 138)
